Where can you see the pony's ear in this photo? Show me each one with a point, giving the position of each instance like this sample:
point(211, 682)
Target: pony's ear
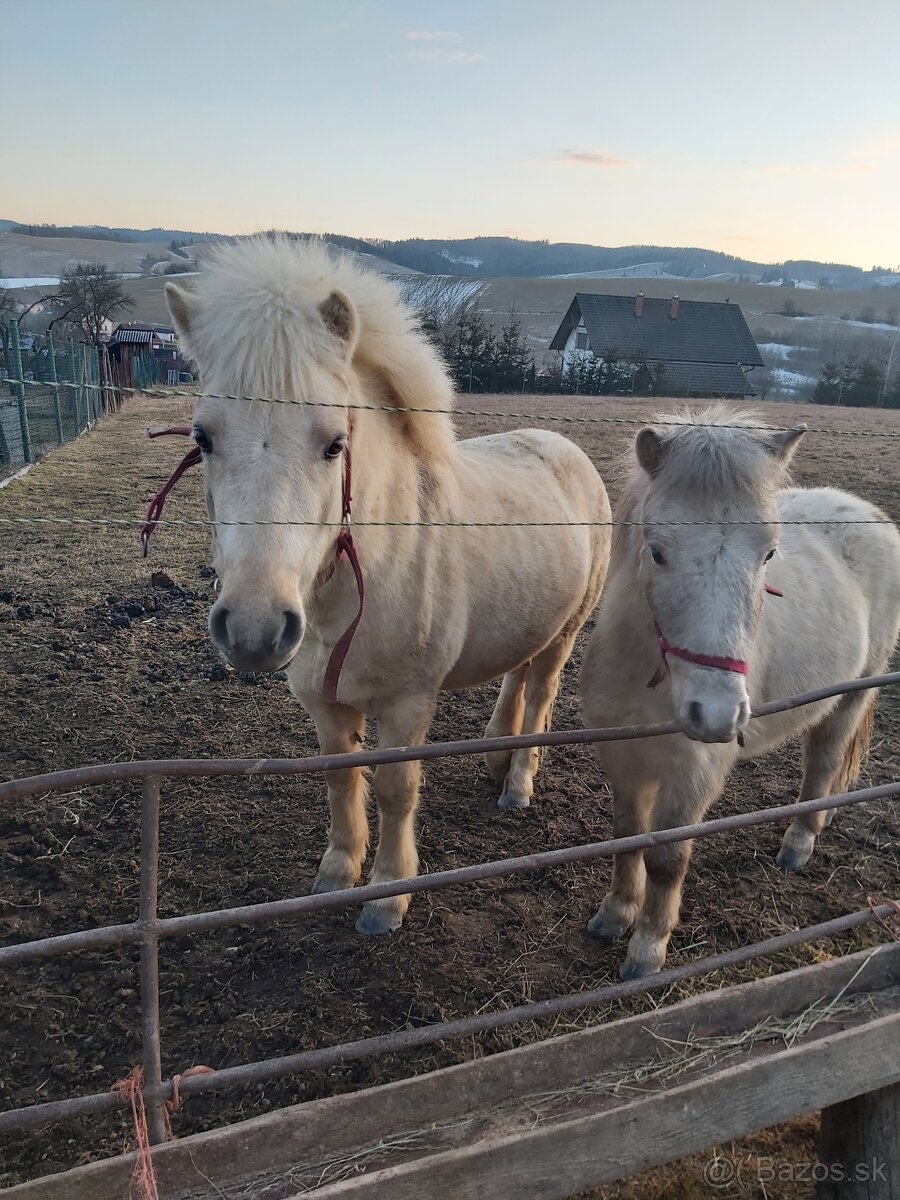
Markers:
point(650, 450)
point(783, 445)
point(339, 314)
point(183, 310)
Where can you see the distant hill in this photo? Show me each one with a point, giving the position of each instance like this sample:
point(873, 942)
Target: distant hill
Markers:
point(499, 257)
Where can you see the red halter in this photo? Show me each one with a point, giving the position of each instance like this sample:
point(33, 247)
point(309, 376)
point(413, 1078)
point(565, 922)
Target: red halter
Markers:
point(736, 665)
point(345, 547)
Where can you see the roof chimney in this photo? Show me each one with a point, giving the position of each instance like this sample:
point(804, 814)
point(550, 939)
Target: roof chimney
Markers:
point(673, 311)
point(639, 304)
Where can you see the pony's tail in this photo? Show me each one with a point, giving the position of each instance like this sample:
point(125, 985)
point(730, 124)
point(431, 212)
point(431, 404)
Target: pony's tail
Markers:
point(857, 749)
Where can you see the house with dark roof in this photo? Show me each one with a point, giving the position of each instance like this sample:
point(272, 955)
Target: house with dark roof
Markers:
point(699, 348)
point(147, 337)
point(154, 344)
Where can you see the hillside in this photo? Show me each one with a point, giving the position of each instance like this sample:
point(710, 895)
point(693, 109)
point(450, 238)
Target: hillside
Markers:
point(492, 257)
point(24, 256)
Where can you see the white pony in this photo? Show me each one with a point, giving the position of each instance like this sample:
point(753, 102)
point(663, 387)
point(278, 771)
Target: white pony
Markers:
point(698, 594)
point(445, 607)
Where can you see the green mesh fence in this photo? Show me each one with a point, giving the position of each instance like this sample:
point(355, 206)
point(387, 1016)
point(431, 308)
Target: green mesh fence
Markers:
point(51, 390)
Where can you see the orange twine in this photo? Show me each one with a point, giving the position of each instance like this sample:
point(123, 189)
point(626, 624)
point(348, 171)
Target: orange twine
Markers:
point(870, 900)
point(174, 1105)
point(143, 1179)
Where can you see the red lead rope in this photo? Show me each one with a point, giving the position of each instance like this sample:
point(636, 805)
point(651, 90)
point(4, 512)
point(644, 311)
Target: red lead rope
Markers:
point(154, 512)
point(344, 548)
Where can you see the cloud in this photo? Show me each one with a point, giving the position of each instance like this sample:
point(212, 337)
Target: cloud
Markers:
point(432, 35)
point(788, 169)
point(879, 149)
point(460, 58)
point(591, 158)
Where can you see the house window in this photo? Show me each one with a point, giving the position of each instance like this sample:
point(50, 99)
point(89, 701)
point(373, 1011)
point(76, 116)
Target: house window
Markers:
point(581, 340)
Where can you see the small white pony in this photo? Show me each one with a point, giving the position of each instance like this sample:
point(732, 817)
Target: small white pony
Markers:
point(444, 607)
point(698, 593)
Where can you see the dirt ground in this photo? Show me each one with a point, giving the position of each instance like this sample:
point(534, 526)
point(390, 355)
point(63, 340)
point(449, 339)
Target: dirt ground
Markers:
point(106, 657)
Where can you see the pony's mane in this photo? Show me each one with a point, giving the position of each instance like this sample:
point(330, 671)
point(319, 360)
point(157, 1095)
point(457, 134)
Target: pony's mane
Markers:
point(705, 456)
point(259, 324)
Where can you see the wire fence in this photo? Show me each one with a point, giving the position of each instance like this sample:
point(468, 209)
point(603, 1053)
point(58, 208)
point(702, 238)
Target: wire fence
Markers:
point(148, 388)
point(144, 371)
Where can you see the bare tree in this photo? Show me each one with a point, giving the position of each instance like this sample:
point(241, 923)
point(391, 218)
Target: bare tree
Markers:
point(440, 300)
point(92, 294)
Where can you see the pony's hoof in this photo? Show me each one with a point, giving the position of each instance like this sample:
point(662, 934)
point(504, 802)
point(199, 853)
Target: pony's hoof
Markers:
point(511, 800)
point(792, 858)
point(375, 922)
point(324, 884)
point(796, 849)
point(632, 968)
point(605, 927)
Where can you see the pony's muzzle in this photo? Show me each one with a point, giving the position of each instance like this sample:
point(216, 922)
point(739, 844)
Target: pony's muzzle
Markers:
point(713, 721)
point(710, 705)
point(255, 641)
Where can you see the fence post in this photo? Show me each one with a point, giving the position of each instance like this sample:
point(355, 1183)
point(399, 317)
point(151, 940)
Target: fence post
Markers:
point(94, 396)
point(100, 398)
point(54, 383)
point(859, 1144)
point(20, 389)
point(156, 1108)
point(73, 384)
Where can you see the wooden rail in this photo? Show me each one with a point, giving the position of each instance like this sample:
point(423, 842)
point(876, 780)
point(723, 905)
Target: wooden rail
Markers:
point(551, 1119)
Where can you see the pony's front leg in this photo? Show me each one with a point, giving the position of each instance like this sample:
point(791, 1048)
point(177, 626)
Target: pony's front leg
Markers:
point(632, 808)
point(687, 793)
point(397, 792)
point(833, 753)
point(506, 719)
point(541, 687)
point(340, 729)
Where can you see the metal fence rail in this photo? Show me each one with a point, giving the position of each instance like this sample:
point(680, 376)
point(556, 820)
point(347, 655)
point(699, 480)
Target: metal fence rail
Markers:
point(148, 929)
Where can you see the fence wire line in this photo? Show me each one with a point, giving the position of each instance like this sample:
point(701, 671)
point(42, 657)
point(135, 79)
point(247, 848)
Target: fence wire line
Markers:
point(177, 393)
point(207, 523)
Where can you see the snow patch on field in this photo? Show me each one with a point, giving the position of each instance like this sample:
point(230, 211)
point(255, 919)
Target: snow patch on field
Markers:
point(790, 381)
point(26, 281)
point(775, 350)
point(838, 322)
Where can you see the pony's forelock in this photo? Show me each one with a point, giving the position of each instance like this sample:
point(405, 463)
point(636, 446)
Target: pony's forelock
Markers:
point(259, 330)
point(715, 455)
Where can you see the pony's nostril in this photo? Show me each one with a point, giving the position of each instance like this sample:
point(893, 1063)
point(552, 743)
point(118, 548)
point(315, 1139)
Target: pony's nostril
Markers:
point(292, 630)
point(695, 713)
point(218, 626)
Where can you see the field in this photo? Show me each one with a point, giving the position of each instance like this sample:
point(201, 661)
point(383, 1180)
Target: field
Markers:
point(106, 656)
point(25, 256)
point(543, 302)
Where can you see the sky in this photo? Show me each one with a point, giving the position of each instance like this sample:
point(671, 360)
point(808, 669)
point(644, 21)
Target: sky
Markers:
point(769, 129)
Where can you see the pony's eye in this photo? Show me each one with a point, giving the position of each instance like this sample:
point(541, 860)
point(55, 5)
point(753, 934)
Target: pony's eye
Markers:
point(657, 555)
point(336, 449)
point(771, 554)
point(203, 440)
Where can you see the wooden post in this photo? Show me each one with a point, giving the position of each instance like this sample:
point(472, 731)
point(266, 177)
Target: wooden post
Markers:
point(859, 1147)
